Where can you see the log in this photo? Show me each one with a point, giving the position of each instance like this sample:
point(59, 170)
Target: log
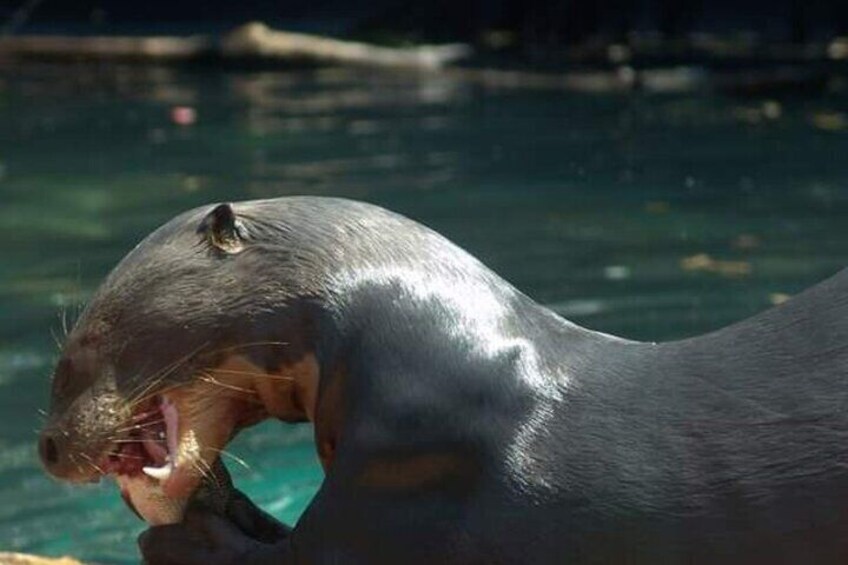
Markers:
point(25, 559)
point(106, 47)
point(256, 40)
point(250, 41)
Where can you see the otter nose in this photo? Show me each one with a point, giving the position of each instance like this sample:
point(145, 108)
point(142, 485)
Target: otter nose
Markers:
point(58, 457)
point(48, 450)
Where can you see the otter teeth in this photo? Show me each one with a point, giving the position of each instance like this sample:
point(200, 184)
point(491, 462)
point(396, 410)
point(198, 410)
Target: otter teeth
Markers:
point(169, 412)
point(159, 473)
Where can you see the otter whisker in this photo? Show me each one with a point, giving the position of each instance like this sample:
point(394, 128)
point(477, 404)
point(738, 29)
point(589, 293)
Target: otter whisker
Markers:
point(152, 394)
point(204, 468)
point(169, 369)
point(136, 440)
point(73, 459)
point(64, 318)
point(235, 458)
point(97, 469)
point(157, 377)
point(155, 380)
point(270, 376)
point(56, 339)
point(142, 423)
point(209, 396)
point(143, 415)
point(143, 392)
point(207, 378)
point(124, 455)
point(91, 462)
point(140, 395)
point(140, 426)
point(249, 344)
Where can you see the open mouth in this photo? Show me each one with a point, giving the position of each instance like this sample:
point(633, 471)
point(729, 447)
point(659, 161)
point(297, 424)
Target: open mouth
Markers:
point(144, 460)
point(172, 441)
point(150, 446)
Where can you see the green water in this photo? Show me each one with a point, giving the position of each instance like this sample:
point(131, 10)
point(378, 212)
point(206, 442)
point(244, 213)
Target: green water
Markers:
point(587, 203)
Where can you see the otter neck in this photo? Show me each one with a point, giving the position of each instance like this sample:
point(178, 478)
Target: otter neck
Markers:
point(419, 324)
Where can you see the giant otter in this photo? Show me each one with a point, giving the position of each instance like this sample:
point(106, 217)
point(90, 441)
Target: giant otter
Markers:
point(457, 420)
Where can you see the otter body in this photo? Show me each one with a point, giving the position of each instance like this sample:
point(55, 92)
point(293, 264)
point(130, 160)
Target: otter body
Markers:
point(457, 420)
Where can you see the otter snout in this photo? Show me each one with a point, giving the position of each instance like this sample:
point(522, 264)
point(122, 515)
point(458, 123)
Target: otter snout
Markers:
point(58, 459)
point(72, 444)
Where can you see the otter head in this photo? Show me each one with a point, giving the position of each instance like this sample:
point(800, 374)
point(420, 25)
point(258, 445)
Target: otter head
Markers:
point(196, 334)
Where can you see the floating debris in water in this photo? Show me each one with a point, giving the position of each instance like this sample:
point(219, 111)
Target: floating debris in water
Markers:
point(778, 298)
point(838, 48)
point(830, 121)
point(183, 115)
point(657, 207)
point(704, 262)
point(616, 272)
point(618, 53)
point(772, 109)
point(768, 111)
point(746, 241)
point(192, 183)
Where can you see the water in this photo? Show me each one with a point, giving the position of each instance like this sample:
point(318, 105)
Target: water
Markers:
point(590, 204)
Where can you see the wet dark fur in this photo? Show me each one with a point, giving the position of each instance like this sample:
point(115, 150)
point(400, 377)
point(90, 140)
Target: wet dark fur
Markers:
point(479, 427)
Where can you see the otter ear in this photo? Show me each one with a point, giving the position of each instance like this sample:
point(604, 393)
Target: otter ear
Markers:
point(222, 229)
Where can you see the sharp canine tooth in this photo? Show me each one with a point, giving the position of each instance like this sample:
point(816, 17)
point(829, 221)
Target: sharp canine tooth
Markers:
point(160, 473)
